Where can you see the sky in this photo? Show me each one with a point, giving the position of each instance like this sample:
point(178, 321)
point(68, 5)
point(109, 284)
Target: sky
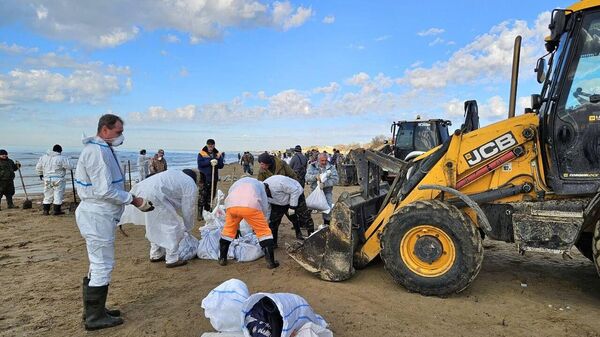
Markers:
point(254, 74)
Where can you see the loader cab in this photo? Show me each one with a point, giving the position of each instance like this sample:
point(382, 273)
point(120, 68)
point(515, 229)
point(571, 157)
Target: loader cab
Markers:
point(418, 135)
point(569, 105)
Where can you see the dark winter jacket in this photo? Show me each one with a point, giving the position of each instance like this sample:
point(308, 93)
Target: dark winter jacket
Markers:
point(204, 158)
point(7, 169)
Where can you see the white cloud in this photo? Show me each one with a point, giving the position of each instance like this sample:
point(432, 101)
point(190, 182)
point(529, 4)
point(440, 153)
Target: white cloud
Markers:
point(285, 17)
point(15, 49)
point(170, 38)
point(109, 23)
point(329, 19)
point(356, 46)
point(382, 38)
point(487, 59)
point(437, 40)
point(431, 31)
point(116, 37)
point(72, 82)
point(42, 85)
point(329, 89)
point(358, 79)
point(183, 72)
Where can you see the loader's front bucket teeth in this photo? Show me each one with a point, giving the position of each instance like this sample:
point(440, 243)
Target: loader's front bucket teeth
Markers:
point(328, 252)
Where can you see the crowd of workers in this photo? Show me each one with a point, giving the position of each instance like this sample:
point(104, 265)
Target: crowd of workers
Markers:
point(172, 197)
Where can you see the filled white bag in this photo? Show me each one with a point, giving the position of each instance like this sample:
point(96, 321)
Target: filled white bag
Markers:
point(222, 306)
point(317, 200)
point(246, 248)
point(294, 310)
point(311, 329)
point(188, 247)
point(210, 233)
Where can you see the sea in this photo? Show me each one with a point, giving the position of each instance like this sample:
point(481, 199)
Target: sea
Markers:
point(33, 185)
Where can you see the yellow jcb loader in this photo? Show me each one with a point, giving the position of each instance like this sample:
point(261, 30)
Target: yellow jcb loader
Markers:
point(531, 179)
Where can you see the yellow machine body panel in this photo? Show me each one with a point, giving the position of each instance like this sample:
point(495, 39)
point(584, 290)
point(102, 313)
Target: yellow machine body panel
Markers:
point(467, 154)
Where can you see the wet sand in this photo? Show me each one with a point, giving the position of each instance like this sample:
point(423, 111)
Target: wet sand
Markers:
point(42, 261)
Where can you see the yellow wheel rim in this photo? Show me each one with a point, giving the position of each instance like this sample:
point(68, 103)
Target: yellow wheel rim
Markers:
point(427, 251)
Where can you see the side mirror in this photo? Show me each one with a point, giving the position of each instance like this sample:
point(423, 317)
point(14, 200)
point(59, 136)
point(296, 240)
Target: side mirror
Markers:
point(558, 23)
point(536, 101)
point(540, 70)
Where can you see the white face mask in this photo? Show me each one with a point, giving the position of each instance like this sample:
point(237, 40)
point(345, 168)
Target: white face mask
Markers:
point(116, 141)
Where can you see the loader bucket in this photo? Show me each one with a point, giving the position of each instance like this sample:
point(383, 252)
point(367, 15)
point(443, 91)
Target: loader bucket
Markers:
point(328, 252)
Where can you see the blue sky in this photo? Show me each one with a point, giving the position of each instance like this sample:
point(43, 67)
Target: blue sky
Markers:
point(256, 75)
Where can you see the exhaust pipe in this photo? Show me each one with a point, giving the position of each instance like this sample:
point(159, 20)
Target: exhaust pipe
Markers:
point(514, 80)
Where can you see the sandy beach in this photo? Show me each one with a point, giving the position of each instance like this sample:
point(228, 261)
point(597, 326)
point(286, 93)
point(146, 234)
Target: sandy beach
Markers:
point(43, 259)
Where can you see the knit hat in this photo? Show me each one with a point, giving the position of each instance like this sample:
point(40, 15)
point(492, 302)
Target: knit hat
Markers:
point(266, 158)
point(298, 148)
point(3, 152)
point(57, 148)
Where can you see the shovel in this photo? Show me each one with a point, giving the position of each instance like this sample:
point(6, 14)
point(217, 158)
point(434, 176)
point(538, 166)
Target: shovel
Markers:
point(27, 203)
point(73, 205)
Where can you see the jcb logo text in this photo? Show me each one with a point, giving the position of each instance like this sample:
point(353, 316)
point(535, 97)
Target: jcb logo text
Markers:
point(490, 149)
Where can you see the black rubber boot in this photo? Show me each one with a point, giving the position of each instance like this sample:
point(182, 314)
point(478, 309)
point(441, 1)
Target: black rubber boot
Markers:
point(57, 210)
point(223, 249)
point(46, 209)
point(95, 311)
point(268, 248)
point(299, 235)
point(114, 312)
point(9, 202)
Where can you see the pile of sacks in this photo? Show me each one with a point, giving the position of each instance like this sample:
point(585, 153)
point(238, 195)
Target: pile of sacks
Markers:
point(234, 312)
point(245, 248)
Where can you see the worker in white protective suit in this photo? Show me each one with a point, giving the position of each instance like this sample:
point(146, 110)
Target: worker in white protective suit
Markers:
point(173, 195)
point(52, 169)
point(99, 182)
point(143, 163)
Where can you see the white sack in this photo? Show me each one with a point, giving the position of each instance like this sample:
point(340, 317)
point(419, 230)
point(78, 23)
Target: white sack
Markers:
point(317, 200)
point(223, 305)
point(313, 330)
point(294, 310)
point(188, 247)
point(246, 248)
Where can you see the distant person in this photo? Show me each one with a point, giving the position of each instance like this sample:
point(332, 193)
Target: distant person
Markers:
point(143, 164)
point(100, 186)
point(7, 176)
point(248, 163)
point(334, 157)
point(240, 158)
point(286, 197)
point(52, 169)
point(247, 200)
point(322, 171)
point(173, 196)
point(209, 160)
point(299, 163)
point(158, 163)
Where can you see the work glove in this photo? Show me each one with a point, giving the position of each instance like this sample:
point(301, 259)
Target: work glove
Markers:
point(146, 206)
point(291, 211)
point(41, 177)
point(214, 162)
point(18, 163)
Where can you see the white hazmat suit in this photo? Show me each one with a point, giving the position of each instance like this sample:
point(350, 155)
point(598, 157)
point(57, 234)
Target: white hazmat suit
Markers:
point(53, 166)
point(99, 183)
point(143, 163)
point(174, 196)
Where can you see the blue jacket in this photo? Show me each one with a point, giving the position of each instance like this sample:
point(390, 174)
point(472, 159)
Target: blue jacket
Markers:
point(204, 166)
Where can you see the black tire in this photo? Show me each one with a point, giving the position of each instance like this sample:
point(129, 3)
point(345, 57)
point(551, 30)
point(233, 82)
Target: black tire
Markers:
point(584, 245)
point(466, 240)
point(596, 247)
